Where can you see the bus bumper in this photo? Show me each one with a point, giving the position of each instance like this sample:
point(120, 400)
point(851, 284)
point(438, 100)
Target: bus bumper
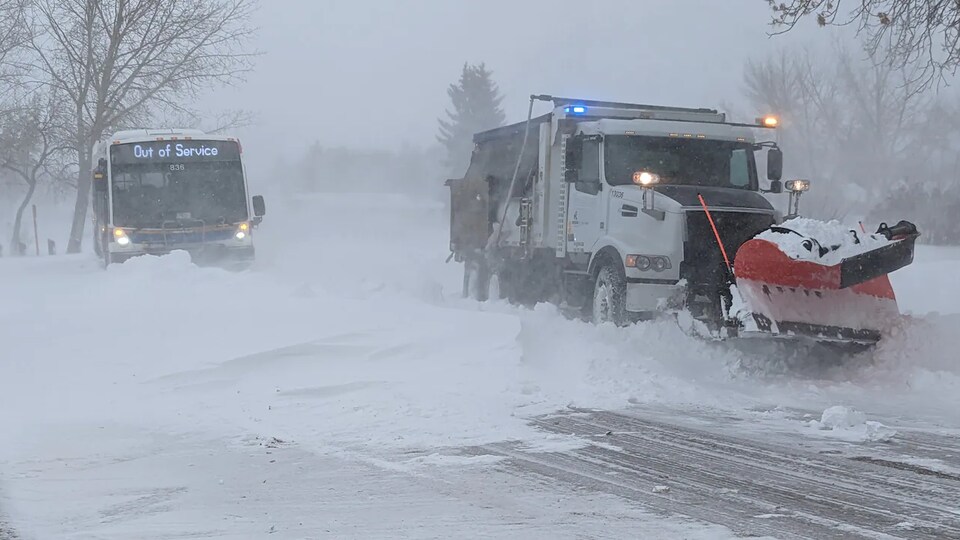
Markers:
point(200, 254)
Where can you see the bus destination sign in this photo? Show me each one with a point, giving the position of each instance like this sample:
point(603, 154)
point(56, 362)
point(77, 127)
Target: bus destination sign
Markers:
point(174, 151)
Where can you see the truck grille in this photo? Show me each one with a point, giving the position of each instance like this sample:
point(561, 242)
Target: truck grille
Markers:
point(703, 265)
point(700, 246)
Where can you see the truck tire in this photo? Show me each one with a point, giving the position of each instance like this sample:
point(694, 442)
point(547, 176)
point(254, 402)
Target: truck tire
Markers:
point(610, 295)
point(476, 279)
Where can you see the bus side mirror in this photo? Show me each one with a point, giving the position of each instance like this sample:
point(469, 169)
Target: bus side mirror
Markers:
point(774, 166)
point(100, 176)
point(572, 158)
point(259, 207)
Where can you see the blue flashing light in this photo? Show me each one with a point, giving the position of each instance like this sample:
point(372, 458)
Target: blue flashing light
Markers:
point(575, 109)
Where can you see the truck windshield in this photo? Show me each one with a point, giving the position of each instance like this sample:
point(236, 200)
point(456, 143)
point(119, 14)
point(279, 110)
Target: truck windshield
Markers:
point(691, 162)
point(153, 193)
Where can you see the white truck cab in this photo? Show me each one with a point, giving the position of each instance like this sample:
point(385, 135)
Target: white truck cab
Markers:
point(606, 213)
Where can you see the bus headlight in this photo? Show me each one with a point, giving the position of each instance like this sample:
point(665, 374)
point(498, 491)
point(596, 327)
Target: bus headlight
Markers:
point(120, 237)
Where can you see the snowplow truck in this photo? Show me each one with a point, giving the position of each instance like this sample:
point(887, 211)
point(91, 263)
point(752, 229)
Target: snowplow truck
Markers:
point(620, 212)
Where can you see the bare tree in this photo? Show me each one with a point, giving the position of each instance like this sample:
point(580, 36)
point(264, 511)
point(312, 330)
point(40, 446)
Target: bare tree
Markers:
point(222, 121)
point(789, 83)
point(923, 33)
point(793, 85)
point(13, 37)
point(117, 60)
point(864, 127)
point(29, 147)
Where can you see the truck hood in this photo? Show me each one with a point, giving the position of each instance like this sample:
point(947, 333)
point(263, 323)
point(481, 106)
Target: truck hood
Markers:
point(715, 197)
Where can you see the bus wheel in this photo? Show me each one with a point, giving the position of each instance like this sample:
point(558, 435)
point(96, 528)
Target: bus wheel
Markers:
point(105, 252)
point(610, 296)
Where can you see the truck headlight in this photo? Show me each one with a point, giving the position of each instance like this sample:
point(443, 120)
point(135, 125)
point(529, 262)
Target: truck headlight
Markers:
point(242, 230)
point(660, 264)
point(797, 186)
point(643, 263)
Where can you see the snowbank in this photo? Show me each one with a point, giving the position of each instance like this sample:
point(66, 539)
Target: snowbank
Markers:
point(850, 424)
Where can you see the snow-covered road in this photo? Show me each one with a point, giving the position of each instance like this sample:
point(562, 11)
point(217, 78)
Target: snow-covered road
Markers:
point(341, 388)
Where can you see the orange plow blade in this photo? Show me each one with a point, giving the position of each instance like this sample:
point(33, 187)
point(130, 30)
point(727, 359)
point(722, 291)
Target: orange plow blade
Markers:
point(790, 285)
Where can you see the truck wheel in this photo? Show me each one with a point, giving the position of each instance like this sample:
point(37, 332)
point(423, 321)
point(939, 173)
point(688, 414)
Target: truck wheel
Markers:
point(476, 279)
point(610, 296)
point(495, 287)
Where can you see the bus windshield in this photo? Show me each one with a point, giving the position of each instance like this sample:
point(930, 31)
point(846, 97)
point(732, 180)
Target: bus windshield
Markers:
point(691, 162)
point(154, 186)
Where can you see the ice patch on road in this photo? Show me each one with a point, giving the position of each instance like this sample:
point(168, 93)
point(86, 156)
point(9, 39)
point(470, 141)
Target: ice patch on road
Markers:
point(851, 425)
point(446, 460)
point(554, 443)
point(935, 465)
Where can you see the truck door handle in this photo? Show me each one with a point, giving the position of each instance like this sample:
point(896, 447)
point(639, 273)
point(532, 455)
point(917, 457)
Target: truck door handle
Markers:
point(628, 211)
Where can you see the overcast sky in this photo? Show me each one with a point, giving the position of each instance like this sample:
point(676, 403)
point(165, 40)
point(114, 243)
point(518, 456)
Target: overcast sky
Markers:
point(375, 72)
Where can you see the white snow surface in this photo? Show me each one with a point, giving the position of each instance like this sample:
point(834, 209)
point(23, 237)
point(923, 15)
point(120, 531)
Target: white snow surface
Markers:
point(829, 234)
point(152, 397)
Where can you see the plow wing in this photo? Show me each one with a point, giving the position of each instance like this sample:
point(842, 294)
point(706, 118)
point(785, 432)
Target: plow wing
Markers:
point(835, 288)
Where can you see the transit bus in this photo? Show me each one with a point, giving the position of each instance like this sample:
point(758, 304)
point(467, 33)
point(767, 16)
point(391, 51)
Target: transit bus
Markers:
point(156, 191)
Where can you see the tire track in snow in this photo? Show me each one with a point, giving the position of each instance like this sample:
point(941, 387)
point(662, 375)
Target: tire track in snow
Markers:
point(777, 488)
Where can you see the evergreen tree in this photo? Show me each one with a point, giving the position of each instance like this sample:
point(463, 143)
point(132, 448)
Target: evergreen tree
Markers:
point(476, 107)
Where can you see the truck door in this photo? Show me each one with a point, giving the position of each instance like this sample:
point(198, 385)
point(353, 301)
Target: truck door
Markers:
point(586, 214)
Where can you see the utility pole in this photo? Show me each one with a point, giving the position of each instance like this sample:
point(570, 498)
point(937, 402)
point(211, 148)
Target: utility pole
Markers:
point(36, 234)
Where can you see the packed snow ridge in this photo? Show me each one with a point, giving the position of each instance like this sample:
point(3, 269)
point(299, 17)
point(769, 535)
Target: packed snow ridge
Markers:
point(850, 424)
point(841, 241)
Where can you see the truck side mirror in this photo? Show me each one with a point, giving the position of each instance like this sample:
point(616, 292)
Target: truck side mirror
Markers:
point(774, 166)
point(259, 207)
point(776, 186)
point(571, 162)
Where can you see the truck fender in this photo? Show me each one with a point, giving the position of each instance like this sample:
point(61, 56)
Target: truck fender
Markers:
point(606, 253)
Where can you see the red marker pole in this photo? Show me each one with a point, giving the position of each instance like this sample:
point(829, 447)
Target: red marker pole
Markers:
point(716, 233)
